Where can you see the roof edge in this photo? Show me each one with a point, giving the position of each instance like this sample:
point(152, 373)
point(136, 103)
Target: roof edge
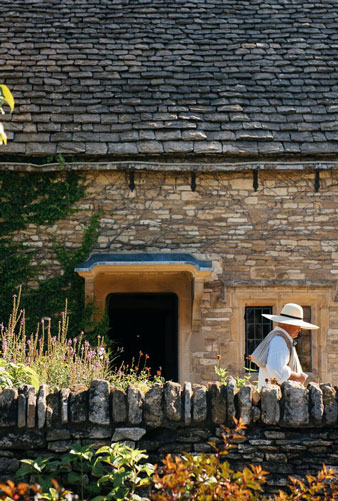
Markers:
point(171, 167)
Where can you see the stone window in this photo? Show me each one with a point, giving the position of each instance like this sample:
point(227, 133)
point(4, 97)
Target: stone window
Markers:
point(250, 301)
point(256, 328)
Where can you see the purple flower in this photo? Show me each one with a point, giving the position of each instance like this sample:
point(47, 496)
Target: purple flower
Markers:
point(75, 340)
point(69, 342)
point(91, 354)
point(101, 351)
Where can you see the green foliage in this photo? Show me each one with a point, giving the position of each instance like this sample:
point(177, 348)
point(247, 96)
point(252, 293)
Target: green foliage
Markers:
point(42, 199)
point(51, 294)
point(112, 472)
point(33, 198)
point(223, 373)
point(48, 358)
point(121, 471)
point(137, 374)
point(14, 375)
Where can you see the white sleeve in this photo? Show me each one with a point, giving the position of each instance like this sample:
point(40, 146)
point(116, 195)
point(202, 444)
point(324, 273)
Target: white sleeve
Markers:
point(278, 358)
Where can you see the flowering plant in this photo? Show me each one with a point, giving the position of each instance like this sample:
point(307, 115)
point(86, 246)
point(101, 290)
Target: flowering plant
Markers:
point(222, 373)
point(137, 373)
point(54, 359)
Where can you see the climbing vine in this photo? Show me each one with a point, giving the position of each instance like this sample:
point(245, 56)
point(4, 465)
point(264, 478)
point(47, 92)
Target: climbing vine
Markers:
point(42, 199)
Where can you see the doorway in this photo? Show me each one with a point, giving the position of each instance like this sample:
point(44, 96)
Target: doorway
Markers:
point(147, 323)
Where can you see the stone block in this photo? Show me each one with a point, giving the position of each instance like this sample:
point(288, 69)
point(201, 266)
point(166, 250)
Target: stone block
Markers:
point(256, 414)
point(276, 457)
point(99, 402)
point(135, 404)
point(99, 432)
point(270, 410)
point(134, 434)
point(199, 403)
point(9, 465)
point(78, 405)
point(119, 405)
point(217, 394)
point(173, 401)
point(245, 403)
point(8, 407)
point(187, 394)
point(22, 405)
point(58, 434)
point(231, 392)
point(150, 147)
point(41, 405)
point(64, 398)
point(32, 439)
point(53, 417)
point(316, 404)
point(330, 403)
point(153, 407)
point(296, 404)
point(31, 407)
point(60, 446)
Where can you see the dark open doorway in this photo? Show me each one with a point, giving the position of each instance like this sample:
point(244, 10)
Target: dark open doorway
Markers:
point(148, 323)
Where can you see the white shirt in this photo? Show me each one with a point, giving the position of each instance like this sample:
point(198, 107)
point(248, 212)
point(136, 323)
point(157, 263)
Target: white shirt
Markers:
point(277, 362)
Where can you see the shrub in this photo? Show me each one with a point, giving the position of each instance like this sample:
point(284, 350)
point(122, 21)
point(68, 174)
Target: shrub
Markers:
point(54, 359)
point(323, 487)
point(111, 472)
point(138, 373)
point(207, 476)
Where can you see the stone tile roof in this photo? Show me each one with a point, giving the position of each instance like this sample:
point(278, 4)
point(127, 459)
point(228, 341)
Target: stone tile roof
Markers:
point(129, 77)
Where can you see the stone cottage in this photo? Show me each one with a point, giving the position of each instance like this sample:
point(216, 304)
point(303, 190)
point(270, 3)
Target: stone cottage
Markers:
point(208, 133)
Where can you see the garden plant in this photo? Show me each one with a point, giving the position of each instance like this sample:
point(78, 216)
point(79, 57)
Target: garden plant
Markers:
point(60, 361)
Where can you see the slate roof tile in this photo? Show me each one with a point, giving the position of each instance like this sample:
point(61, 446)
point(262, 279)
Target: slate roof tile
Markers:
point(153, 76)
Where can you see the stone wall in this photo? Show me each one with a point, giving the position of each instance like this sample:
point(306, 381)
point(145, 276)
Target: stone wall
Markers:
point(281, 238)
point(290, 430)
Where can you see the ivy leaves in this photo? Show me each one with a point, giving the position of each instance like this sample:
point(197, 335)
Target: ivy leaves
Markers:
point(33, 198)
point(42, 199)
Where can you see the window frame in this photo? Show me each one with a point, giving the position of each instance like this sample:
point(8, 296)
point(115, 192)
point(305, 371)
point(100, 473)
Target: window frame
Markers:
point(276, 296)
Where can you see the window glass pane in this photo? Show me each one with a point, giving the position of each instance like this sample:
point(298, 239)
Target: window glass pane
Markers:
point(256, 328)
point(304, 343)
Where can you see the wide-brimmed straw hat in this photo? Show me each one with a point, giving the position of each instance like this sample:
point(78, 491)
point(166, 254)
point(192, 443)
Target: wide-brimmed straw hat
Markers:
point(291, 314)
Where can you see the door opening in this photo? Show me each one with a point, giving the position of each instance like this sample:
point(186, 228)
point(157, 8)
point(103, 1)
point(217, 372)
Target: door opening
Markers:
point(146, 322)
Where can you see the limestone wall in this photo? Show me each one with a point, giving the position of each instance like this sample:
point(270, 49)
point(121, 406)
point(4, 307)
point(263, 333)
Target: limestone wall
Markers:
point(276, 244)
point(289, 430)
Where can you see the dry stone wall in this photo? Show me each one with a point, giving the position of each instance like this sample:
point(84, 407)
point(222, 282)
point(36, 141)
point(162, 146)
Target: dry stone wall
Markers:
point(290, 429)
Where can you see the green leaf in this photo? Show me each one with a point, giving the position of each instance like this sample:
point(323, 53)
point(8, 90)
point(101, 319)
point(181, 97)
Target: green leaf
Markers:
point(75, 477)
